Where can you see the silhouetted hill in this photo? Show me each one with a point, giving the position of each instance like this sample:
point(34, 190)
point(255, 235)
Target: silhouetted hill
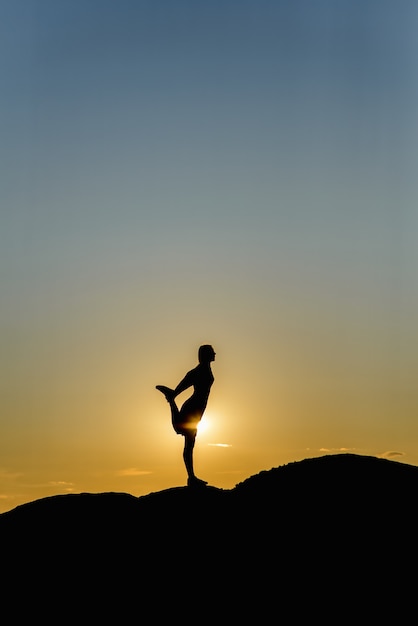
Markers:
point(335, 529)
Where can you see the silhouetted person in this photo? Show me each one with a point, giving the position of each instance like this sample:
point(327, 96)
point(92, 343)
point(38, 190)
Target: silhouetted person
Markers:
point(186, 419)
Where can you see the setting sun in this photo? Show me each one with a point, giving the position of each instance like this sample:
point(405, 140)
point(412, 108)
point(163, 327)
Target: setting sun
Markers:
point(203, 425)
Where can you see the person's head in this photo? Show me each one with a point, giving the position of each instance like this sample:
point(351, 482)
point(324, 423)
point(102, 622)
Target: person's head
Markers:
point(206, 354)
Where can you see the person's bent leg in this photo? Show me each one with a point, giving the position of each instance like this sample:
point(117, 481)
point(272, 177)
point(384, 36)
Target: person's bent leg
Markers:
point(166, 391)
point(169, 396)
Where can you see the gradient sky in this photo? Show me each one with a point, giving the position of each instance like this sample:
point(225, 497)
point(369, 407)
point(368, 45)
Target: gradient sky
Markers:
point(240, 173)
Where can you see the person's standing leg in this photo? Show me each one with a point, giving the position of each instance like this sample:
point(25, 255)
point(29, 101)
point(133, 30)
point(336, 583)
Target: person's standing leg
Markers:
point(189, 441)
point(192, 480)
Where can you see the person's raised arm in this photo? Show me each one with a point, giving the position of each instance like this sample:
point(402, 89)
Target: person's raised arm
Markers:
point(184, 384)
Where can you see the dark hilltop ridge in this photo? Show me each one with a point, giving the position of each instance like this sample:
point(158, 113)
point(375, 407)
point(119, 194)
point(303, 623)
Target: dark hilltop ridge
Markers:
point(335, 529)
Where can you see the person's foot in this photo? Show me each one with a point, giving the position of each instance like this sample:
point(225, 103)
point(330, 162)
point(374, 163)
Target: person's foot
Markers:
point(168, 393)
point(196, 482)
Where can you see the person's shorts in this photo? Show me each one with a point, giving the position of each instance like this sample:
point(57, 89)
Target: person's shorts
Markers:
point(188, 429)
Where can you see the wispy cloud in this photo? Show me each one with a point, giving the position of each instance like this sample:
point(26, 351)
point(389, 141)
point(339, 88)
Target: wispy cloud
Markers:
point(132, 471)
point(337, 449)
point(6, 475)
point(390, 454)
point(62, 484)
point(220, 445)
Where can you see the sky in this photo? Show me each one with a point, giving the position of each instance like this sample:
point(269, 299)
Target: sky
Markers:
point(240, 173)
